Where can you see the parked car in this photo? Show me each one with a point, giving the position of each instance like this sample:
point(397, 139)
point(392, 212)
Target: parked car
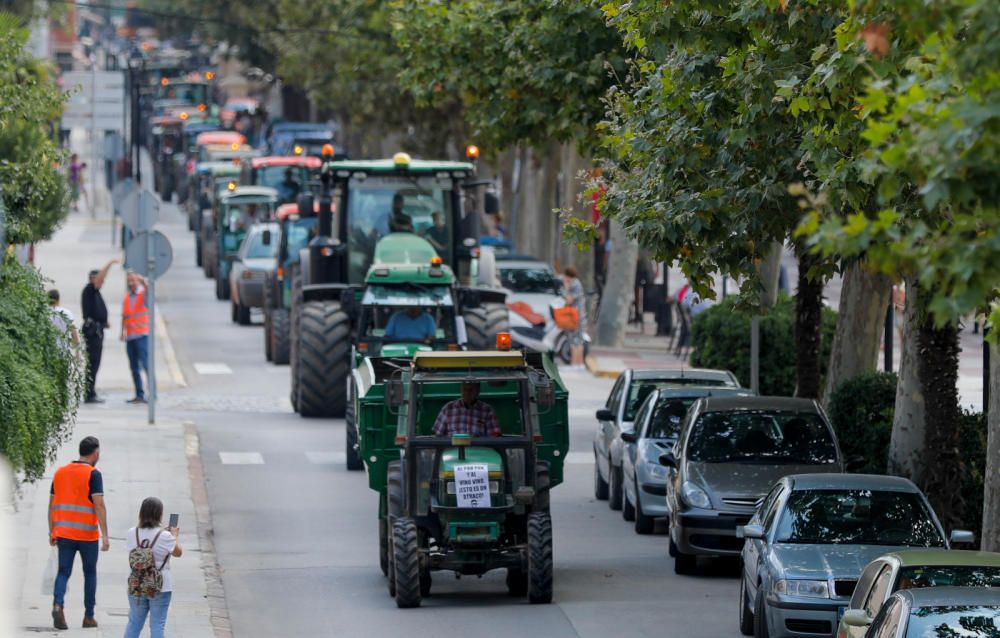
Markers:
point(617, 416)
point(915, 569)
point(730, 452)
point(810, 540)
point(254, 261)
point(939, 612)
point(657, 426)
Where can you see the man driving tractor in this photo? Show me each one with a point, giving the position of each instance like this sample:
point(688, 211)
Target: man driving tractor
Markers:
point(467, 415)
point(413, 324)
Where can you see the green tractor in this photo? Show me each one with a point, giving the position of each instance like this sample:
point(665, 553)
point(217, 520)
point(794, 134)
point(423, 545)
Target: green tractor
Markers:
point(236, 211)
point(454, 502)
point(295, 231)
point(213, 180)
point(376, 200)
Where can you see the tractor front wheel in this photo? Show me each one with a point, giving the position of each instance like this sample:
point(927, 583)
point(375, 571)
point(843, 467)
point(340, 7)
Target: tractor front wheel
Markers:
point(483, 323)
point(324, 359)
point(406, 562)
point(539, 558)
point(279, 336)
point(354, 461)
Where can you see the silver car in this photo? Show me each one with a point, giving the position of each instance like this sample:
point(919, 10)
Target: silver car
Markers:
point(657, 426)
point(255, 259)
point(618, 414)
point(812, 537)
point(731, 451)
point(949, 612)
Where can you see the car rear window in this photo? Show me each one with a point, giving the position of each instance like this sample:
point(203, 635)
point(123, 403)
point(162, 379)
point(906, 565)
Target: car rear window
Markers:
point(665, 423)
point(760, 436)
point(948, 576)
point(857, 517)
point(954, 621)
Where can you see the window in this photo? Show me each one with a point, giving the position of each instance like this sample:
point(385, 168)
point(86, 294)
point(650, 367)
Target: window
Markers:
point(762, 437)
point(615, 396)
point(643, 413)
point(864, 584)
point(256, 249)
point(667, 418)
point(771, 509)
point(965, 621)
point(530, 280)
point(879, 591)
point(887, 621)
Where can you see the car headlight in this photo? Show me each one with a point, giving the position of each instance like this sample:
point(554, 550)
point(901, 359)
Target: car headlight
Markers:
point(803, 588)
point(656, 470)
point(695, 496)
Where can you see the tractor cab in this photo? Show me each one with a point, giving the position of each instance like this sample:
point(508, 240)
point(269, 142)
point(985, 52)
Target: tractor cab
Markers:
point(231, 152)
point(288, 174)
point(166, 138)
point(237, 210)
point(461, 501)
point(209, 180)
point(186, 161)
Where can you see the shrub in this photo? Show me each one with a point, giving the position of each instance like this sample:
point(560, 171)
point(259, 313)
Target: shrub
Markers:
point(861, 410)
point(41, 375)
point(720, 338)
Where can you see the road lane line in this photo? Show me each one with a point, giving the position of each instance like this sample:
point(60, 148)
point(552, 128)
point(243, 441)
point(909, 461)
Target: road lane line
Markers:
point(204, 368)
point(169, 354)
point(241, 458)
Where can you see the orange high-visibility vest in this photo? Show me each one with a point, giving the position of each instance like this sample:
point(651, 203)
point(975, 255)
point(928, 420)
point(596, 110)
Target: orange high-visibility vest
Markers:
point(135, 318)
point(73, 514)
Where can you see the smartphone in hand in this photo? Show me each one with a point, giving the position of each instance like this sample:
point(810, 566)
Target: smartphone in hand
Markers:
point(173, 521)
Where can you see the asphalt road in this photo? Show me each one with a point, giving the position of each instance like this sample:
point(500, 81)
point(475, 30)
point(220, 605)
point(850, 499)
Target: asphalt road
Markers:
point(295, 532)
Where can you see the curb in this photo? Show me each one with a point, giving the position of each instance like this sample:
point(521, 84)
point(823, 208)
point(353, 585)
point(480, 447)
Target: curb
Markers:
point(215, 593)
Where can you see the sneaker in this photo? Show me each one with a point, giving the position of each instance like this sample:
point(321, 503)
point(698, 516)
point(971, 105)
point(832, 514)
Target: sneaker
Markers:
point(89, 622)
point(58, 618)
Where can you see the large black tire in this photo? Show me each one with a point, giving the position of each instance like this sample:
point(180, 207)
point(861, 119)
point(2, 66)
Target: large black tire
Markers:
point(295, 315)
point(351, 450)
point(242, 315)
point(760, 628)
point(324, 359)
point(221, 287)
point(394, 493)
point(197, 251)
point(279, 336)
point(628, 509)
point(614, 486)
point(746, 614)
point(383, 546)
point(267, 336)
point(483, 323)
point(600, 485)
point(543, 484)
point(644, 524)
point(406, 562)
point(539, 558)
point(232, 310)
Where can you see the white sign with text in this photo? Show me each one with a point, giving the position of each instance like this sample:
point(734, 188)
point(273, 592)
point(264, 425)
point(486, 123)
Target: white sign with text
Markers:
point(472, 485)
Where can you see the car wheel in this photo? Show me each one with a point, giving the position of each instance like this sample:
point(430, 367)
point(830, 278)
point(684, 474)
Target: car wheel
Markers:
point(614, 487)
point(760, 629)
point(746, 615)
point(643, 524)
point(628, 510)
point(600, 485)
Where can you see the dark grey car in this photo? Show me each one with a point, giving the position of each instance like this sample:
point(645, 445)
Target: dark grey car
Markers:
point(255, 259)
point(617, 416)
point(730, 453)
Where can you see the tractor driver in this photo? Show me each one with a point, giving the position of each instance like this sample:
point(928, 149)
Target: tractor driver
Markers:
point(467, 415)
point(399, 221)
point(289, 187)
point(412, 324)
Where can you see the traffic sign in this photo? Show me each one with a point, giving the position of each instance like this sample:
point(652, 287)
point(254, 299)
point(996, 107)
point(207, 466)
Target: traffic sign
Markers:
point(140, 210)
point(153, 264)
point(121, 190)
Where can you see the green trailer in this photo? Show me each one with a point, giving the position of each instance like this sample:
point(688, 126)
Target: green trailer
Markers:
point(430, 518)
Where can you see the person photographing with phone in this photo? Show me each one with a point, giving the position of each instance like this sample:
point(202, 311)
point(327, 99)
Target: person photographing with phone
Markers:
point(150, 585)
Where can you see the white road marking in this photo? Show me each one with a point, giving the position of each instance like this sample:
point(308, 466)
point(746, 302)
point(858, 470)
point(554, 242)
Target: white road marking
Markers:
point(326, 458)
point(168, 352)
point(241, 458)
point(212, 368)
point(580, 458)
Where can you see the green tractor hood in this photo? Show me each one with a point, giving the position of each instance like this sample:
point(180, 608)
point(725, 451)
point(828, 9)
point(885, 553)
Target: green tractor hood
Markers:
point(480, 455)
point(403, 349)
point(405, 258)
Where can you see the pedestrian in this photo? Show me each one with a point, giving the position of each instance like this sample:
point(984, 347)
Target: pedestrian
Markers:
point(82, 188)
point(577, 298)
point(62, 318)
point(78, 519)
point(135, 332)
point(163, 543)
point(95, 322)
point(74, 180)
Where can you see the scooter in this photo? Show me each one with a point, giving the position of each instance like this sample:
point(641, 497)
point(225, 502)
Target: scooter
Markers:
point(532, 331)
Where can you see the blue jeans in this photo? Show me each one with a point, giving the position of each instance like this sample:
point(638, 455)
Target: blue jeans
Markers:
point(88, 556)
point(157, 610)
point(138, 359)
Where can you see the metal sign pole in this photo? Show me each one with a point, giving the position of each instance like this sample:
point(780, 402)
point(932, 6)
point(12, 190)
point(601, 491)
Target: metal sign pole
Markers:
point(93, 136)
point(151, 302)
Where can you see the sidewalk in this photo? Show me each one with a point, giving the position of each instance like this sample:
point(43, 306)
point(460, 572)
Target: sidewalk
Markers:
point(137, 460)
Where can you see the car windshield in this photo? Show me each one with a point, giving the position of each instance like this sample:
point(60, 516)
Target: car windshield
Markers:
point(288, 189)
point(954, 621)
point(948, 576)
point(761, 436)
point(530, 280)
point(857, 517)
point(377, 206)
point(642, 388)
point(665, 422)
point(256, 249)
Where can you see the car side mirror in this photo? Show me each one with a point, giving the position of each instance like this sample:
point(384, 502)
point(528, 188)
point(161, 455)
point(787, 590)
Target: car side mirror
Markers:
point(394, 393)
point(750, 531)
point(962, 537)
point(604, 414)
point(856, 618)
point(629, 437)
point(265, 238)
point(667, 459)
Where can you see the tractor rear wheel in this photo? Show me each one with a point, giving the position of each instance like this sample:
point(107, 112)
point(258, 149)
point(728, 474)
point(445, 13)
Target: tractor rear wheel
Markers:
point(267, 336)
point(483, 323)
point(539, 558)
point(197, 251)
point(406, 562)
point(294, 323)
point(324, 359)
point(354, 461)
point(279, 336)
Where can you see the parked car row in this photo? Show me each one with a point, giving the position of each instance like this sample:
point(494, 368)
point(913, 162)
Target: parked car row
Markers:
point(822, 552)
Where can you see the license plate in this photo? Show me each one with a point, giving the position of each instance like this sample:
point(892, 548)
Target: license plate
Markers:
point(840, 613)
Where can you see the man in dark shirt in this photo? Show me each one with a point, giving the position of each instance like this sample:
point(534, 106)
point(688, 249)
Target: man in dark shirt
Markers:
point(95, 322)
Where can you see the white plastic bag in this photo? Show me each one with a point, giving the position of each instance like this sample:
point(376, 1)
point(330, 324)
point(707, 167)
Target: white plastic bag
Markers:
point(49, 575)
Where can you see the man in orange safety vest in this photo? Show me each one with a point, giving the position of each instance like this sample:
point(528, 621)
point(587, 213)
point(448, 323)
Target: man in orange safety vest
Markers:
point(135, 332)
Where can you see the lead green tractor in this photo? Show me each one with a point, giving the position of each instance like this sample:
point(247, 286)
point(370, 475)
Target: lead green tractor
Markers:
point(454, 502)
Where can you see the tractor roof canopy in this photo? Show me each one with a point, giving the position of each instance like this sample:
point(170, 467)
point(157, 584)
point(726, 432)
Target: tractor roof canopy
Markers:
point(250, 195)
point(218, 169)
point(464, 361)
point(395, 166)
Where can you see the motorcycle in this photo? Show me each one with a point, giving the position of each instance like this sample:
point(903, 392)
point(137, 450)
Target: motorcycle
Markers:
point(530, 330)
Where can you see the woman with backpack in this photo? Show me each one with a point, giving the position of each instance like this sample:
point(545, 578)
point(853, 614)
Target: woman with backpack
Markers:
point(149, 583)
